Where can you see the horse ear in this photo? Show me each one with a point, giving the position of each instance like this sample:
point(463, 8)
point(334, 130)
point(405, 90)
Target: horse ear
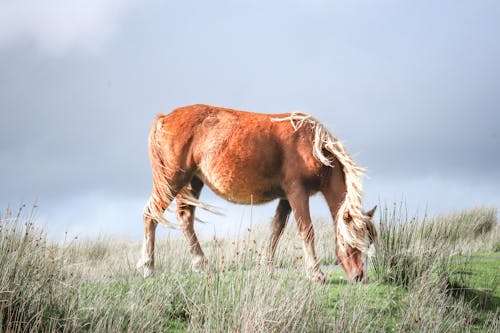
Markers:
point(371, 212)
point(347, 216)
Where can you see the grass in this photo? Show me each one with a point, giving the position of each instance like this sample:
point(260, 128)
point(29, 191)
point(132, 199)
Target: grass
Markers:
point(432, 275)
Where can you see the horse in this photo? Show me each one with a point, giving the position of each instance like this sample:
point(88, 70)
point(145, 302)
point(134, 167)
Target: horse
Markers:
point(254, 158)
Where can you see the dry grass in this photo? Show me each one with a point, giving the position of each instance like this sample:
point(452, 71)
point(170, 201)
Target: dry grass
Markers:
point(92, 285)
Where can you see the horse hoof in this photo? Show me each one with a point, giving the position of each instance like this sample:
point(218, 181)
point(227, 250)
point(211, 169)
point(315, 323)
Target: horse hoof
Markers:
point(147, 271)
point(318, 277)
point(199, 264)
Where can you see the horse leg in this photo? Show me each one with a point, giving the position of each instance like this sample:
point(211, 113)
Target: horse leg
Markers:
point(278, 224)
point(185, 214)
point(299, 201)
point(153, 214)
point(147, 261)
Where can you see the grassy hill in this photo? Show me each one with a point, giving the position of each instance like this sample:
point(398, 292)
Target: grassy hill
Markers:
point(429, 275)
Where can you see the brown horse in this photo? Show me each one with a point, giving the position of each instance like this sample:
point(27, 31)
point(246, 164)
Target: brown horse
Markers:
point(253, 158)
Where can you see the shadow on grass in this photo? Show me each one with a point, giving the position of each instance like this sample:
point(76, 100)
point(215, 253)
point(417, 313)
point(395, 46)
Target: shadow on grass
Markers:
point(483, 300)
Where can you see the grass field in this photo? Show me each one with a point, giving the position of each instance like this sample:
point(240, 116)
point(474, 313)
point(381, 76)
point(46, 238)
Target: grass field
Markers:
point(429, 275)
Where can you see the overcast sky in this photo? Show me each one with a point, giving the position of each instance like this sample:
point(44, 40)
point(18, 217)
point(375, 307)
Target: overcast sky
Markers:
point(411, 87)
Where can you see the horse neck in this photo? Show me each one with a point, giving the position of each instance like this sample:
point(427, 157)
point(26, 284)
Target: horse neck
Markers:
point(335, 189)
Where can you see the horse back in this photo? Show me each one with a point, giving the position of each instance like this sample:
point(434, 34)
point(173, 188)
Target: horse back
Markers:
point(242, 156)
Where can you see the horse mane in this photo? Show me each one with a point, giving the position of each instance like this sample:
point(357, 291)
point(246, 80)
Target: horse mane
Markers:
point(352, 227)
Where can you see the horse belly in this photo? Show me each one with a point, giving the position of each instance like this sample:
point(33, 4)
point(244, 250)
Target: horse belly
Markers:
point(242, 192)
point(240, 178)
point(239, 157)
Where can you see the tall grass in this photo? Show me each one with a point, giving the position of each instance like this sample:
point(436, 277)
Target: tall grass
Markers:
point(34, 290)
point(92, 285)
point(409, 248)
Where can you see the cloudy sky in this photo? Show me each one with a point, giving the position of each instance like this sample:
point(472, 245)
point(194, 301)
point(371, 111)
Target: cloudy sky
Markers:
point(411, 87)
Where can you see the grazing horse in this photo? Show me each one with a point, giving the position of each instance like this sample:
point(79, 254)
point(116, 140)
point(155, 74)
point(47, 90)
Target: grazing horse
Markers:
point(253, 158)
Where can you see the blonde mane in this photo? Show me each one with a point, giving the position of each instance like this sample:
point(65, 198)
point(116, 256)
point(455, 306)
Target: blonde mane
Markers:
point(351, 226)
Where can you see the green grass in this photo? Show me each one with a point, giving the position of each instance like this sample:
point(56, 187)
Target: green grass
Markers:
point(386, 307)
point(428, 276)
point(480, 279)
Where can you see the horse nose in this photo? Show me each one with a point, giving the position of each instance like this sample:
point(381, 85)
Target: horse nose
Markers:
point(358, 278)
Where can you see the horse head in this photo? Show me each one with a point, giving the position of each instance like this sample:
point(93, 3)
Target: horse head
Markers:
point(354, 259)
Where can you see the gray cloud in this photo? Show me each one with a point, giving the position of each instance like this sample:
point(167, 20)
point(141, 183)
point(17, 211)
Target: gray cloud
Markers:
point(411, 89)
point(56, 27)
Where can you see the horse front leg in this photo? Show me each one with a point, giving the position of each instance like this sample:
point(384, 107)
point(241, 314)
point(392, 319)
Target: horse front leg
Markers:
point(299, 201)
point(277, 225)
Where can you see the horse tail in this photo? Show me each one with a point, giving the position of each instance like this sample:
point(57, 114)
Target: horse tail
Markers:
point(161, 195)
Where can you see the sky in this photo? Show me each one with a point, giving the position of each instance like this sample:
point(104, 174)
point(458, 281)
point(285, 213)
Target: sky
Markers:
point(411, 87)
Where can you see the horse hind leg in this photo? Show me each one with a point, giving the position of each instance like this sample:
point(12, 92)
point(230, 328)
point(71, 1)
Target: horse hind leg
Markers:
point(153, 207)
point(185, 215)
point(153, 214)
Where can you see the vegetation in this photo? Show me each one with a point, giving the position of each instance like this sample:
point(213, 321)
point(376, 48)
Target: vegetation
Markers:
point(435, 275)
